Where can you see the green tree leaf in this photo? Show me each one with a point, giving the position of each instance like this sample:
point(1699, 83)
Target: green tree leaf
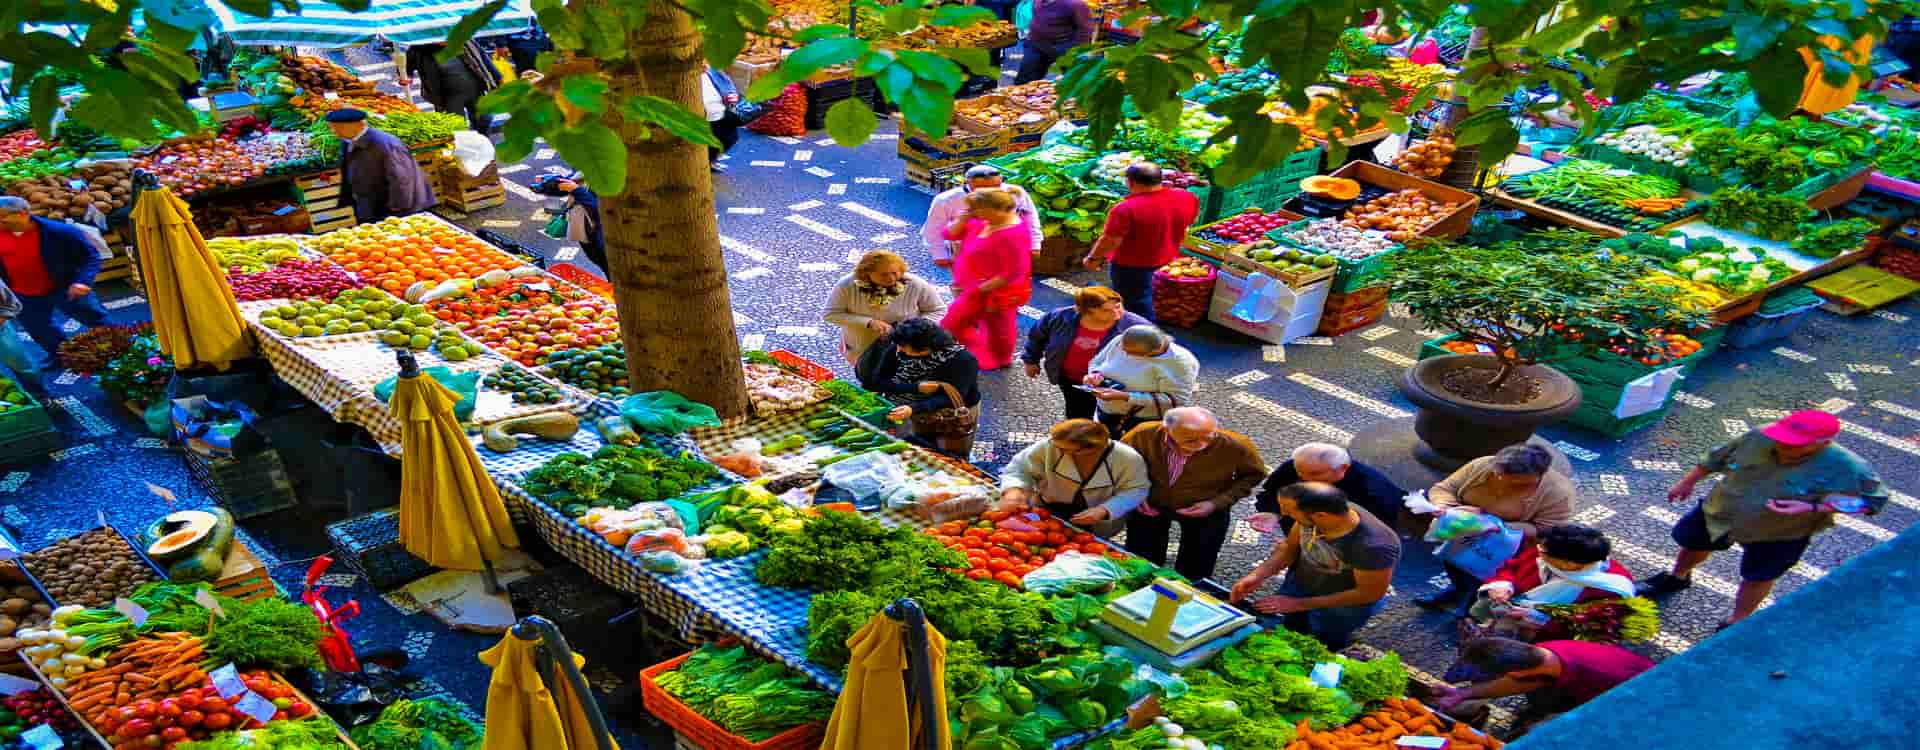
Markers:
point(670, 116)
point(562, 26)
point(1499, 143)
point(928, 66)
point(43, 97)
point(587, 91)
point(927, 106)
point(509, 97)
point(960, 15)
point(471, 22)
point(1778, 77)
point(823, 53)
point(851, 122)
point(597, 151)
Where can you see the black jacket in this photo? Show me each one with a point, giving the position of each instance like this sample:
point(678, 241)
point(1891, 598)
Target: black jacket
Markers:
point(879, 364)
point(1364, 485)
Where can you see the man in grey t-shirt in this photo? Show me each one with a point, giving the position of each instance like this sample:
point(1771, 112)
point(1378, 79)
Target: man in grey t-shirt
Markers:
point(1339, 561)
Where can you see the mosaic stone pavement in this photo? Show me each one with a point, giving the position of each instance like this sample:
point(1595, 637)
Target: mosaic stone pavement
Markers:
point(795, 211)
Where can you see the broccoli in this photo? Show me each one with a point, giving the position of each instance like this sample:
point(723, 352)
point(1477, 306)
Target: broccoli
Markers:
point(583, 480)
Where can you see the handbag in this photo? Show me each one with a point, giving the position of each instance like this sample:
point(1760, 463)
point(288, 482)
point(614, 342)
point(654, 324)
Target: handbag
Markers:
point(954, 421)
point(557, 226)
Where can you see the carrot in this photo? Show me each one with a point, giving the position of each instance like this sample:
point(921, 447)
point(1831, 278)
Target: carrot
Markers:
point(1297, 744)
point(139, 679)
point(1303, 729)
point(1319, 743)
point(1415, 706)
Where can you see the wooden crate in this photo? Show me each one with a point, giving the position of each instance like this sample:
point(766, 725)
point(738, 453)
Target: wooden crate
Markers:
point(318, 187)
point(329, 219)
point(473, 199)
point(245, 577)
point(1453, 225)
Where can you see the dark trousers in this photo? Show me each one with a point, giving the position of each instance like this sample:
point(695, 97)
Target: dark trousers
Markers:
point(1333, 627)
point(1464, 584)
point(1200, 540)
point(598, 254)
point(36, 315)
point(1135, 285)
point(460, 95)
point(1034, 63)
point(727, 129)
point(1080, 404)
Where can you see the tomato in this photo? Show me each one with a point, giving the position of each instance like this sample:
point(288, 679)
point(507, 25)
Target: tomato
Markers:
point(1002, 537)
point(978, 532)
point(1082, 538)
point(300, 709)
point(1055, 538)
point(214, 706)
point(973, 543)
point(1042, 513)
point(1093, 548)
point(1066, 548)
point(1117, 555)
point(997, 552)
point(978, 574)
point(1008, 579)
point(1035, 562)
point(173, 734)
point(187, 702)
point(999, 565)
point(218, 721)
point(1020, 549)
point(995, 515)
point(953, 528)
point(1022, 571)
point(976, 561)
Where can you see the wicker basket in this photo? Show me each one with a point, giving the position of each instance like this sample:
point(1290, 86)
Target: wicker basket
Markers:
point(1182, 294)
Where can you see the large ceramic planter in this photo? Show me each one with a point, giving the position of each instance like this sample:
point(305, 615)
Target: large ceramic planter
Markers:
point(1454, 430)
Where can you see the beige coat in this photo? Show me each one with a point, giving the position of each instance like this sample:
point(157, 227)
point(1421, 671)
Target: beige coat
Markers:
point(1120, 484)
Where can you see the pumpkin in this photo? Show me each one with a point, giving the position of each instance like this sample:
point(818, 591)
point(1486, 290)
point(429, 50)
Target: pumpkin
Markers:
point(192, 544)
point(499, 436)
point(1337, 188)
point(176, 535)
point(1819, 97)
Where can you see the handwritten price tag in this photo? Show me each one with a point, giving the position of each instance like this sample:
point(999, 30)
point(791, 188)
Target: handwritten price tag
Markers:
point(252, 704)
point(205, 598)
point(227, 680)
point(77, 184)
point(134, 612)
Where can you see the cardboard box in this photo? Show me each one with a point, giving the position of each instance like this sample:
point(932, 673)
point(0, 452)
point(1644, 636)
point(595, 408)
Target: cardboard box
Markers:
point(1299, 309)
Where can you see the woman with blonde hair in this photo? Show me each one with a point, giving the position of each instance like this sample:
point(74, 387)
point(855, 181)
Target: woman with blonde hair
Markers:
point(879, 293)
point(993, 275)
point(1080, 473)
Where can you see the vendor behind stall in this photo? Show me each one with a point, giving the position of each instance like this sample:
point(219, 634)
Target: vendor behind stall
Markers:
point(379, 172)
point(1078, 472)
point(1339, 561)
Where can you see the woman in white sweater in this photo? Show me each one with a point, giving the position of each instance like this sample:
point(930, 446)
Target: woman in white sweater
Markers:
point(1080, 474)
point(879, 293)
point(1154, 375)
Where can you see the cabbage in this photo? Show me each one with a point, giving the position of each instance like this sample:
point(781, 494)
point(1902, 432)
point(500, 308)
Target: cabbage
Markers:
point(1743, 256)
point(1689, 265)
point(1214, 714)
point(1705, 275)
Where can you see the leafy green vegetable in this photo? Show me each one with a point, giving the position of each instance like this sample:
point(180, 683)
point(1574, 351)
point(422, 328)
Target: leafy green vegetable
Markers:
point(853, 398)
point(1374, 680)
point(296, 734)
point(616, 477)
point(837, 550)
point(272, 633)
point(745, 693)
point(1832, 238)
point(431, 723)
point(1773, 217)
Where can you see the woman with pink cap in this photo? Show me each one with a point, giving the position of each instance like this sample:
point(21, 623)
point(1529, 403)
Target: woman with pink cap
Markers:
point(1779, 485)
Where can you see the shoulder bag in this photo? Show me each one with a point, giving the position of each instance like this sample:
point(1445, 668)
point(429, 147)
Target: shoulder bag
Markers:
point(958, 420)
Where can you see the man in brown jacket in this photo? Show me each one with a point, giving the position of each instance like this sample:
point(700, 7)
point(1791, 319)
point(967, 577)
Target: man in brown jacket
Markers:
point(1198, 472)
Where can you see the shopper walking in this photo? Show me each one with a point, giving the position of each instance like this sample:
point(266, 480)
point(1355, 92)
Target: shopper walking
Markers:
point(1057, 26)
point(877, 295)
point(1139, 376)
point(1198, 471)
point(914, 365)
point(1325, 462)
point(1556, 676)
point(953, 202)
point(993, 277)
point(720, 96)
point(455, 85)
point(583, 220)
point(1516, 485)
point(1779, 486)
point(48, 265)
point(1339, 561)
point(377, 171)
point(1143, 233)
point(1063, 343)
point(16, 359)
point(1080, 473)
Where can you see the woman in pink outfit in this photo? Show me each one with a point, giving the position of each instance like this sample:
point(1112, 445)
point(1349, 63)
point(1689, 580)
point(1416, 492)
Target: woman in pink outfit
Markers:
point(993, 275)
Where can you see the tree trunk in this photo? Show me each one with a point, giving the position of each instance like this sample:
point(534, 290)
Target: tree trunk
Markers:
point(663, 240)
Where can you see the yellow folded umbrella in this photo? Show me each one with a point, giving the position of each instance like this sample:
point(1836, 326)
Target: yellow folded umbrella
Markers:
point(194, 313)
point(522, 713)
point(872, 709)
point(451, 514)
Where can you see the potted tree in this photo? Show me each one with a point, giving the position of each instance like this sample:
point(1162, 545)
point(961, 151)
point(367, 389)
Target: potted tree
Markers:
point(1525, 304)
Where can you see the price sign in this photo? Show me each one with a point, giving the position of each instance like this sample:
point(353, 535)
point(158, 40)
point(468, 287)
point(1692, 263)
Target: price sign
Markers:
point(252, 704)
point(43, 738)
point(7, 550)
point(204, 598)
point(11, 685)
point(162, 493)
point(77, 184)
point(227, 680)
point(134, 612)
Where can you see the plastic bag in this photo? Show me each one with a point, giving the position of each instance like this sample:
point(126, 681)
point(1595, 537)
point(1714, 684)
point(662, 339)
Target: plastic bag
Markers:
point(938, 503)
point(1073, 573)
point(667, 412)
point(1261, 300)
point(1474, 542)
point(474, 152)
point(467, 384)
point(868, 477)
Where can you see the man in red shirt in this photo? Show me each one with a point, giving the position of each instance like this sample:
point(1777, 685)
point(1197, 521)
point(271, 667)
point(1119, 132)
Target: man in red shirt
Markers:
point(1143, 233)
point(1556, 676)
point(50, 265)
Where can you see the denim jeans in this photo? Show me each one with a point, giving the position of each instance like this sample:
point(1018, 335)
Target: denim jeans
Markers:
point(36, 316)
point(16, 359)
point(1333, 626)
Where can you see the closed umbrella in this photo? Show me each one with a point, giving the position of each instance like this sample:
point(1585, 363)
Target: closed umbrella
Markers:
point(321, 24)
point(195, 316)
point(884, 702)
point(451, 514)
point(537, 699)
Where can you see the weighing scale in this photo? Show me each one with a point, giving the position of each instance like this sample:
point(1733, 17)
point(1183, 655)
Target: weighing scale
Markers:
point(1173, 626)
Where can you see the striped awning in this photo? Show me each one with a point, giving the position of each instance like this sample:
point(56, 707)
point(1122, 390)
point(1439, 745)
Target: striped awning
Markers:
point(402, 21)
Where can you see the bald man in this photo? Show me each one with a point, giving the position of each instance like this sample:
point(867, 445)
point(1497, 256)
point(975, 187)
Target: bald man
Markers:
point(1198, 472)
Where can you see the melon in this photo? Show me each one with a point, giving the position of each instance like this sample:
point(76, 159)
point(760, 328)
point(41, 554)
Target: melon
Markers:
point(176, 535)
point(191, 544)
point(1337, 188)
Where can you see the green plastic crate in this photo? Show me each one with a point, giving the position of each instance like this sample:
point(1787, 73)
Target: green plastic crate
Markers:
point(1351, 275)
point(28, 419)
point(1604, 367)
point(1266, 190)
point(1601, 420)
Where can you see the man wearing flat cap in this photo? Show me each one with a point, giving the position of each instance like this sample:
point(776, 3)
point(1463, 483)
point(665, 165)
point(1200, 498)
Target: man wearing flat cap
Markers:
point(380, 177)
